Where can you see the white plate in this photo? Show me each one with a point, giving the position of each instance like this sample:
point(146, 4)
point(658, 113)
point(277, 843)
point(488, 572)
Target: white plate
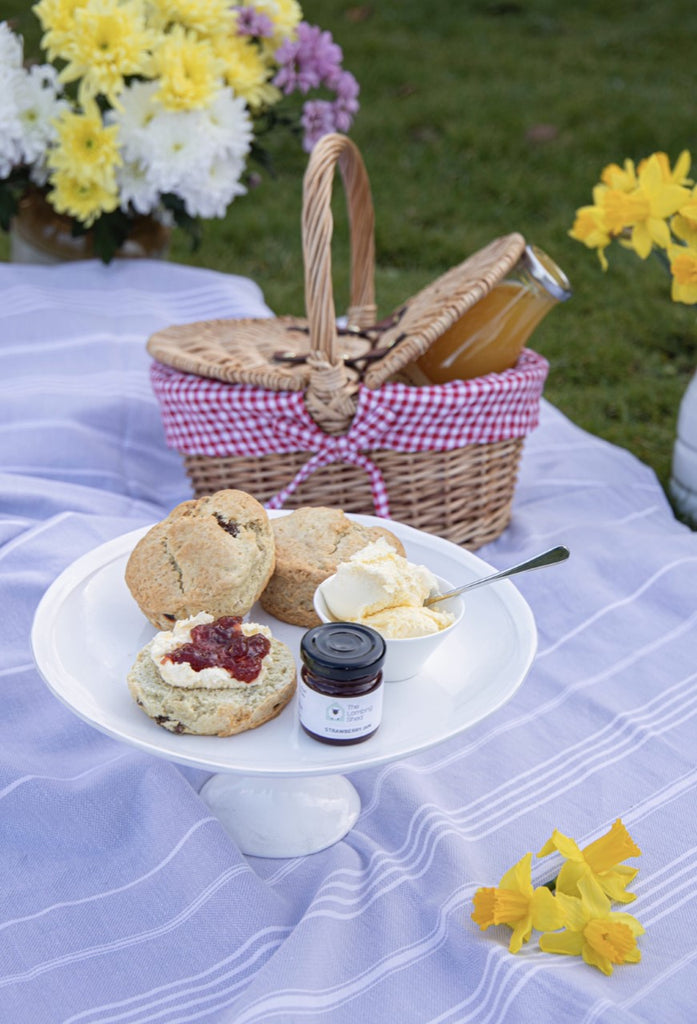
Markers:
point(88, 630)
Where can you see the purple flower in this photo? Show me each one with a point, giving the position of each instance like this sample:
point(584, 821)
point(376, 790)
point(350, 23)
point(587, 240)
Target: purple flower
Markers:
point(317, 120)
point(310, 60)
point(307, 62)
point(251, 22)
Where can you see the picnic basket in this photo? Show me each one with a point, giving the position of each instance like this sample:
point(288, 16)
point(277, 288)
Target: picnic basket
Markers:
point(302, 411)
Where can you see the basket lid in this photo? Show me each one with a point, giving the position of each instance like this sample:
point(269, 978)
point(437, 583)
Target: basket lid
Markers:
point(272, 352)
point(266, 352)
point(428, 314)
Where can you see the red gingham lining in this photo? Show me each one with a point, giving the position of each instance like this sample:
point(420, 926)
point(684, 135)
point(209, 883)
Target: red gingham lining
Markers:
point(209, 417)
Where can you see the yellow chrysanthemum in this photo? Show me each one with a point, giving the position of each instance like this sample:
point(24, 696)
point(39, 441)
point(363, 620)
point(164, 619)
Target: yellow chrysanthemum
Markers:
point(683, 268)
point(86, 150)
point(592, 931)
point(57, 19)
point(514, 902)
point(246, 71)
point(84, 200)
point(600, 860)
point(285, 16)
point(205, 17)
point(110, 41)
point(188, 69)
point(589, 228)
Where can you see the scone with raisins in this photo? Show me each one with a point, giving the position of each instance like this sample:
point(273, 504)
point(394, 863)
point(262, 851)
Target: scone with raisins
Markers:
point(213, 554)
point(213, 677)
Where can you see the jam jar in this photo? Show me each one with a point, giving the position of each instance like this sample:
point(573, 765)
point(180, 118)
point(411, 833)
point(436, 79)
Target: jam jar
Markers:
point(341, 687)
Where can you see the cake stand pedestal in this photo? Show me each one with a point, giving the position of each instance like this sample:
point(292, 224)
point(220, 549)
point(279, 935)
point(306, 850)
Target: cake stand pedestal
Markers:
point(279, 816)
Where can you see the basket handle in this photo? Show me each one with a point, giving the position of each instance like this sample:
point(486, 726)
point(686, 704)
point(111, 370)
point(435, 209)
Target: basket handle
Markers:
point(330, 395)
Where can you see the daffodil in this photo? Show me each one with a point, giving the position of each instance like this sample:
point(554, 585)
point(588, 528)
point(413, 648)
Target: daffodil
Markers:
point(683, 269)
point(684, 224)
point(600, 860)
point(622, 178)
point(593, 931)
point(678, 175)
point(109, 42)
point(514, 902)
point(189, 71)
point(86, 148)
point(654, 200)
point(589, 228)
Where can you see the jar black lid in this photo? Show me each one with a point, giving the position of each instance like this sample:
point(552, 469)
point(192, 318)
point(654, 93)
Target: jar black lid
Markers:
point(342, 650)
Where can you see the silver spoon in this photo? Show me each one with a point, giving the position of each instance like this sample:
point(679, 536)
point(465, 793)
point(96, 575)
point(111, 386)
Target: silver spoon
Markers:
point(551, 557)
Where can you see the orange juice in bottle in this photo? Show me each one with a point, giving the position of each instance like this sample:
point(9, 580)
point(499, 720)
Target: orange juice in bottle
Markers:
point(489, 337)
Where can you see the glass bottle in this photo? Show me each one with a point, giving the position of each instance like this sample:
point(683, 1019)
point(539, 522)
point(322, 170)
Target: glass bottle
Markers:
point(489, 337)
point(340, 689)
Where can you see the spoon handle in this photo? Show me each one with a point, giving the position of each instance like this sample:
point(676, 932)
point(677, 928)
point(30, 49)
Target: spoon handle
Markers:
point(558, 554)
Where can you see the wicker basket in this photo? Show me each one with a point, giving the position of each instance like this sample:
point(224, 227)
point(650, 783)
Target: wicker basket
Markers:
point(463, 494)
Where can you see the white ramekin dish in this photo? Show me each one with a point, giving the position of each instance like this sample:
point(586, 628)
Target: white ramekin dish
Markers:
point(406, 656)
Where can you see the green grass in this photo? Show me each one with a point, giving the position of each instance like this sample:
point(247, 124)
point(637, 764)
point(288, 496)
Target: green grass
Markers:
point(481, 118)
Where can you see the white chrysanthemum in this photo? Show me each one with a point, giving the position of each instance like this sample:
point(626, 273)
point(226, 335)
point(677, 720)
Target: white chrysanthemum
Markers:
point(38, 105)
point(136, 190)
point(229, 125)
point(10, 124)
point(39, 173)
point(11, 50)
point(210, 195)
point(138, 109)
point(178, 147)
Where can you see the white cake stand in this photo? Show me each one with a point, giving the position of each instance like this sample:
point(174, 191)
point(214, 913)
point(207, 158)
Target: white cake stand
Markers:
point(278, 792)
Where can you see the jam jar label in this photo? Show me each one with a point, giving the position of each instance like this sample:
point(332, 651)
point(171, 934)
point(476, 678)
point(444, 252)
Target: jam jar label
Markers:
point(339, 718)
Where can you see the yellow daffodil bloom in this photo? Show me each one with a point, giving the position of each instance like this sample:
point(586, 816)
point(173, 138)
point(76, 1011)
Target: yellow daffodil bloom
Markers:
point(622, 178)
point(678, 175)
point(684, 224)
point(592, 931)
point(683, 268)
point(653, 201)
point(87, 150)
point(109, 41)
point(589, 228)
point(188, 69)
point(84, 200)
point(514, 902)
point(600, 860)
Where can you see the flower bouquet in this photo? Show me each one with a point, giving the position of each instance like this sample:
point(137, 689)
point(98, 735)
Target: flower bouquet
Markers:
point(650, 208)
point(151, 109)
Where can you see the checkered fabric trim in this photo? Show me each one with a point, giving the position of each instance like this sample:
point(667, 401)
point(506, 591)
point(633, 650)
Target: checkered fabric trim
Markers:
point(209, 417)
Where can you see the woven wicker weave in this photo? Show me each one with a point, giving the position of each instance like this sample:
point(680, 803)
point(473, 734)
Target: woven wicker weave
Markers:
point(464, 495)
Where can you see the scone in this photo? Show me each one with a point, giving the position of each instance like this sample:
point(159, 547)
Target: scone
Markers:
point(213, 554)
point(310, 544)
point(211, 702)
